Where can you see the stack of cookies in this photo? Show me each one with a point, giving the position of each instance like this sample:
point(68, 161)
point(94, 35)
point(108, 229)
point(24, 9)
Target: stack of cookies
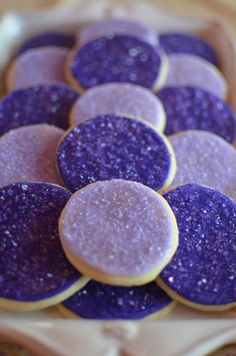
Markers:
point(117, 174)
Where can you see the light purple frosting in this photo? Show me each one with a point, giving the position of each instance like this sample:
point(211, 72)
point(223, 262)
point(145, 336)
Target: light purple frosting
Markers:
point(190, 70)
point(206, 159)
point(117, 26)
point(118, 227)
point(120, 99)
point(38, 66)
point(28, 154)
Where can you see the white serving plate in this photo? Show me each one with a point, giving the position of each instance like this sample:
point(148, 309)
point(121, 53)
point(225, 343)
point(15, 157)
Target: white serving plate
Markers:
point(73, 337)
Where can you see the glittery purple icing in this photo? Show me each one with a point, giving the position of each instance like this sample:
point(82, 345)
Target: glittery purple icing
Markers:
point(102, 301)
point(113, 146)
point(206, 159)
point(189, 108)
point(118, 227)
point(58, 39)
point(203, 268)
point(190, 70)
point(44, 65)
point(27, 154)
point(118, 58)
point(32, 264)
point(50, 104)
point(185, 43)
point(111, 26)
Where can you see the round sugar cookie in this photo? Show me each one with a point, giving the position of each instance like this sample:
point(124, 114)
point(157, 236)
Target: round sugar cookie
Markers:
point(116, 26)
point(189, 108)
point(43, 65)
point(40, 104)
point(34, 271)
point(206, 159)
point(190, 70)
point(202, 272)
point(118, 58)
point(119, 98)
point(118, 232)
point(46, 39)
point(106, 302)
point(112, 146)
point(28, 154)
point(178, 42)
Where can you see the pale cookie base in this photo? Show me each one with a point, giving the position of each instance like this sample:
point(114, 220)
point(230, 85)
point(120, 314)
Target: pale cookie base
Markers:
point(173, 165)
point(124, 280)
point(14, 305)
point(163, 74)
point(8, 76)
point(153, 316)
point(202, 307)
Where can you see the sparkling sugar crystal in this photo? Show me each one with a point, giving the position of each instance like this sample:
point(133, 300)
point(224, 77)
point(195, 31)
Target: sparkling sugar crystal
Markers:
point(112, 59)
point(207, 275)
point(40, 104)
point(103, 301)
point(33, 265)
point(113, 146)
point(189, 108)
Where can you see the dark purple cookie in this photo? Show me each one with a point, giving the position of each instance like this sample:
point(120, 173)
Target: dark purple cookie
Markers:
point(33, 266)
point(203, 269)
point(111, 146)
point(118, 58)
point(50, 104)
point(58, 39)
point(189, 108)
point(102, 301)
point(185, 43)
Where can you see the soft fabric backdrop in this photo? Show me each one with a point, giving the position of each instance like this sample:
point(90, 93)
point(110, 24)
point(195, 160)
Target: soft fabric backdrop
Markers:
point(225, 9)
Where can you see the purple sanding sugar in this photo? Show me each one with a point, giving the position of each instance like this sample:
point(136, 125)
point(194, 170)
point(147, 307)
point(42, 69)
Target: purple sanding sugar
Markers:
point(189, 70)
point(113, 146)
point(119, 228)
point(44, 65)
point(119, 98)
point(32, 265)
point(203, 268)
point(102, 301)
point(118, 58)
point(189, 108)
point(39, 104)
point(206, 159)
point(183, 43)
point(58, 39)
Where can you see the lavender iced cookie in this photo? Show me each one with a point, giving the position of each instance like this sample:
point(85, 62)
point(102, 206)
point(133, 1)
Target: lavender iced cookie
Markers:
point(118, 232)
point(41, 104)
point(119, 98)
point(102, 301)
point(202, 272)
point(28, 154)
point(111, 146)
point(34, 272)
point(114, 26)
point(184, 43)
point(37, 66)
point(46, 39)
point(118, 58)
point(204, 158)
point(189, 70)
point(191, 108)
